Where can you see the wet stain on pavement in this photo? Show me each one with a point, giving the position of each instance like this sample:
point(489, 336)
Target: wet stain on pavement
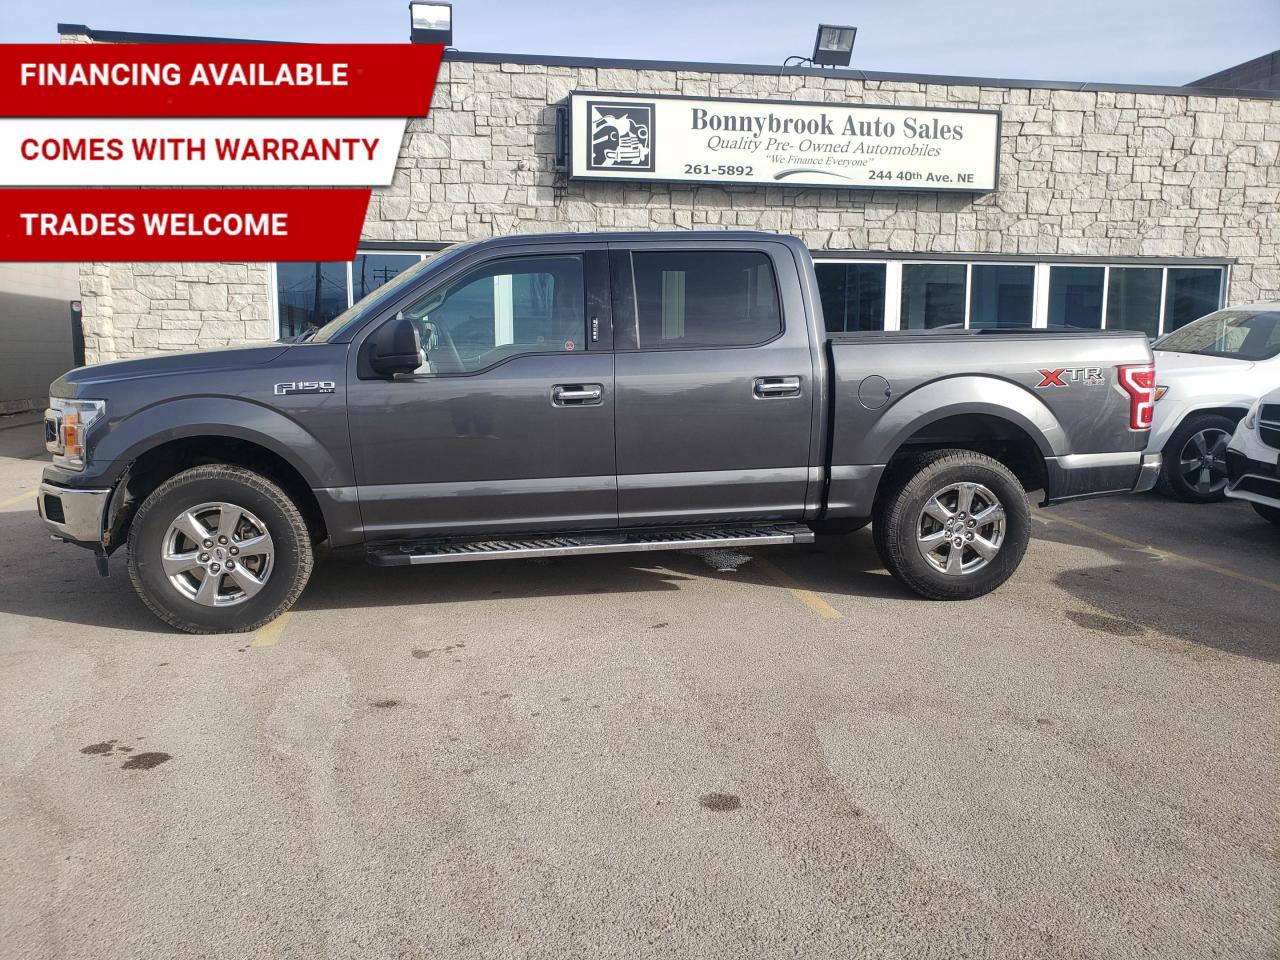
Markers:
point(659, 626)
point(419, 654)
point(720, 802)
point(1111, 625)
point(385, 704)
point(145, 761)
point(99, 748)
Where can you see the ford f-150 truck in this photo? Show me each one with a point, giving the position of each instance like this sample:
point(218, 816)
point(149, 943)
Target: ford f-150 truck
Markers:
point(540, 396)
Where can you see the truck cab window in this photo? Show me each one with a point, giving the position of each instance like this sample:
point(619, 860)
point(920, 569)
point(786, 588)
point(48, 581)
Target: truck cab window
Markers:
point(500, 310)
point(699, 298)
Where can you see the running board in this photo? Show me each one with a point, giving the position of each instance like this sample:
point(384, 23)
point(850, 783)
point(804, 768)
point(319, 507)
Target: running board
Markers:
point(410, 553)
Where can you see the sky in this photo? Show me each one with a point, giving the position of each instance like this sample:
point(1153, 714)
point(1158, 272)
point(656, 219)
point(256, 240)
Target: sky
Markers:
point(1118, 41)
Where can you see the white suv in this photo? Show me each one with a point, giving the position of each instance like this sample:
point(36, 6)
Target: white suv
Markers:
point(1253, 458)
point(1208, 374)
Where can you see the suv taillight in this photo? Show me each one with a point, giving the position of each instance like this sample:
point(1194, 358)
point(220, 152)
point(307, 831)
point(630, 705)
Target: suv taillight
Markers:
point(1139, 382)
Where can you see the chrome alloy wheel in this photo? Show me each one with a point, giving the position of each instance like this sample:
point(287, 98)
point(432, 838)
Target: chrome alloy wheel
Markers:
point(1203, 461)
point(960, 529)
point(217, 554)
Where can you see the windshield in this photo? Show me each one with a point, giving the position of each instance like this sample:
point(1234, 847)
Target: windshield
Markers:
point(1239, 334)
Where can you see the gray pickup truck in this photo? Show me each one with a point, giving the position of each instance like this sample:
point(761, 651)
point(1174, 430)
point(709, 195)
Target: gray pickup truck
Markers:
point(542, 396)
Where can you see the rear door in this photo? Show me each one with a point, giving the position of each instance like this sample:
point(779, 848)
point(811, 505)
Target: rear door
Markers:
point(509, 425)
point(714, 380)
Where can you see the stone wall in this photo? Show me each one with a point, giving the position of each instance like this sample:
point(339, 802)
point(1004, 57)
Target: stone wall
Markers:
point(1099, 174)
point(132, 309)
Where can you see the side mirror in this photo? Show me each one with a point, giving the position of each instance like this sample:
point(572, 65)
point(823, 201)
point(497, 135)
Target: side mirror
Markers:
point(395, 348)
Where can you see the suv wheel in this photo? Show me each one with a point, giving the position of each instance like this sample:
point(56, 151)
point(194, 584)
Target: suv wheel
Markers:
point(952, 524)
point(1195, 459)
point(219, 549)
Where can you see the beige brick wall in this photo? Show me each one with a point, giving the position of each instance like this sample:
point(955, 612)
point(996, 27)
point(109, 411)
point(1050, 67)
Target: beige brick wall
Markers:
point(1102, 174)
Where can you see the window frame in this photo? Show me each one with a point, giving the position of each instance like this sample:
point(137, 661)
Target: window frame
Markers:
point(580, 252)
point(632, 340)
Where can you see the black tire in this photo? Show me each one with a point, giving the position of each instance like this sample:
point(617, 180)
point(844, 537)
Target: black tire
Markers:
point(899, 514)
point(1265, 512)
point(1173, 482)
point(265, 503)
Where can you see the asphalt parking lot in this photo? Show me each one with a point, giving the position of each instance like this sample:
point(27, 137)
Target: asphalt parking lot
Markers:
point(772, 753)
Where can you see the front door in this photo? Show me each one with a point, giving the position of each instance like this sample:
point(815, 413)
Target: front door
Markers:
point(715, 392)
point(508, 426)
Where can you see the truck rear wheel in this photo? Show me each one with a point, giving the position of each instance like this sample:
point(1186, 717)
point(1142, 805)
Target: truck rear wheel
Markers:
point(952, 524)
point(219, 549)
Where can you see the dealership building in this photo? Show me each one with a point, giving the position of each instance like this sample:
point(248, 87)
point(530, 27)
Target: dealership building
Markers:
point(1004, 203)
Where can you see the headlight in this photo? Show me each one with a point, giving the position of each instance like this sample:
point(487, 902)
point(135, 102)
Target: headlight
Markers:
point(66, 423)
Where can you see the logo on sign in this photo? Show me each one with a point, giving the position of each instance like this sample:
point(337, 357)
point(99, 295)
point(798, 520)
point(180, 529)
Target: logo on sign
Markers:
point(621, 136)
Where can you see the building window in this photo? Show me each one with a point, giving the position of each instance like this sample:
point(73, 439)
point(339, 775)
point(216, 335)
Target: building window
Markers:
point(853, 295)
point(1191, 293)
point(369, 271)
point(1075, 297)
point(309, 295)
point(1133, 299)
point(705, 299)
point(1002, 296)
point(933, 295)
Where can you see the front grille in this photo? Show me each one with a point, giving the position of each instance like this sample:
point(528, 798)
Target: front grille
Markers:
point(1270, 434)
point(1270, 411)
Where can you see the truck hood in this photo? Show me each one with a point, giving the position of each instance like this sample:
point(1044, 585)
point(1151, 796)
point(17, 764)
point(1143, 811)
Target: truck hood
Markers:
point(75, 381)
point(1183, 364)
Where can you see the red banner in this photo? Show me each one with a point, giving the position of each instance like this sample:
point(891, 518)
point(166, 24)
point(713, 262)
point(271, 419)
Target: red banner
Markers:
point(190, 224)
point(217, 79)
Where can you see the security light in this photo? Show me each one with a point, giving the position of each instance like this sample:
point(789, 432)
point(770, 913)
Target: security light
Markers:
point(433, 23)
point(834, 45)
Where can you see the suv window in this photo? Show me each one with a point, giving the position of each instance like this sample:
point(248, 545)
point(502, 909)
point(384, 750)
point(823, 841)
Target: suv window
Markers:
point(502, 309)
point(705, 298)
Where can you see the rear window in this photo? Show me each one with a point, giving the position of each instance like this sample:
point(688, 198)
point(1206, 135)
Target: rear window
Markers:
point(1240, 334)
point(705, 298)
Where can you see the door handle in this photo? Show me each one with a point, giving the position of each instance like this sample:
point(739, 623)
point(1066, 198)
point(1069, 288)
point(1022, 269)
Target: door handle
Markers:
point(577, 394)
point(766, 388)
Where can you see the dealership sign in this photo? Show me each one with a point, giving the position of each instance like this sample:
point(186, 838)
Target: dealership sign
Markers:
point(782, 143)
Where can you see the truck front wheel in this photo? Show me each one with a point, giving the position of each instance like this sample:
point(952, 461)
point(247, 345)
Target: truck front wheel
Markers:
point(952, 524)
point(219, 549)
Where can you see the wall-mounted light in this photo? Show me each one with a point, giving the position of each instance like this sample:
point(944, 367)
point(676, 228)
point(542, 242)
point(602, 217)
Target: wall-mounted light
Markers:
point(433, 23)
point(834, 45)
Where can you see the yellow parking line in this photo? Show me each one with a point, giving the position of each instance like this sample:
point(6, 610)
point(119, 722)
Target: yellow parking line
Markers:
point(807, 597)
point(24, 495)
point(1162, 554)
point(268, 635)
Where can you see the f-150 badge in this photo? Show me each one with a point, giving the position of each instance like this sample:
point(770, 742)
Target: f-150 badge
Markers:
point(304, 386)
point(1066, 376)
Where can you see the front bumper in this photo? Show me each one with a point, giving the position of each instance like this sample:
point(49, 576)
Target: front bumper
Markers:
point(1254, 480)
point(74, 515)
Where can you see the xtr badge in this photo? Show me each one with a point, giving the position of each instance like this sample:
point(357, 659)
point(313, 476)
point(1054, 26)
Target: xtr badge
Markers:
point(1066, 376)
